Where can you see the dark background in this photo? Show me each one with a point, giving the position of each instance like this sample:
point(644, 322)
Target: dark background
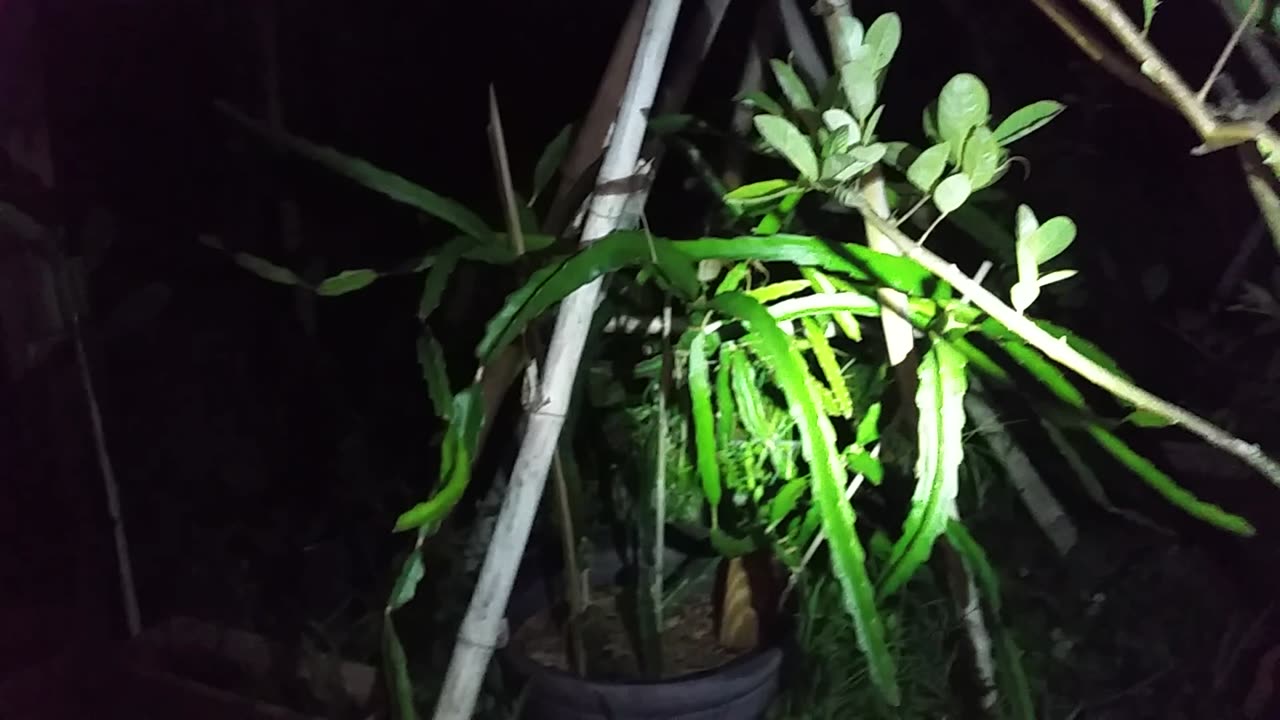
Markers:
point(261, 467)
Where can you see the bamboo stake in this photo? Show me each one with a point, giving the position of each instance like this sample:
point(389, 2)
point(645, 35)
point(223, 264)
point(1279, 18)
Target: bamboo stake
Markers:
point(478, 635)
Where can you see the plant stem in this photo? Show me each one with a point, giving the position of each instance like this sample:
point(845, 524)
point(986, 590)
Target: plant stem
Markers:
point(478, 634)
point(1227, 50)
point(1060, 351)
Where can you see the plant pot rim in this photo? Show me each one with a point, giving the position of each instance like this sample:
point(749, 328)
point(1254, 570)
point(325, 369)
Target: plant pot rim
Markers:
point(532, 597)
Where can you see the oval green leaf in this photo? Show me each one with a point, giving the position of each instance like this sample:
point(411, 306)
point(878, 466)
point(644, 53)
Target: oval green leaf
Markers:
point(792, 144)
point(266, 270)
point(1026, 120)
point(952, 193)
point(982, 157)
point(928, 166)
point(758, 99)
point(1051, 238)
point(1027, 224)
point(858, 80)
point(793, 87)
point(550, 160)
point(345, 282)
point(883, 38)
point(963, 105)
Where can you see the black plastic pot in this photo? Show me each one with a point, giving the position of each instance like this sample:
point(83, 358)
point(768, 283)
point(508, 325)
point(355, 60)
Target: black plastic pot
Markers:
point(739, 690)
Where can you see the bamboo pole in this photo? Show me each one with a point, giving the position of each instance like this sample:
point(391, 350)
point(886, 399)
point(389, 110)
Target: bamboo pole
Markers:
point(478, 635)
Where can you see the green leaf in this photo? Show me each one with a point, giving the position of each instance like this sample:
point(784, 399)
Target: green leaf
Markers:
point(982, 157)
point(848, 35)
point(940, 405)
point(456, 454)
point(733, 278)
point(963, 105)
point(345, 282)
point(1026, 120)
point(763, 188)
point(785, 501)
point(928, 166)
point(929, 122)
point(790, 143)
point(266, 270)
point(549, 161)
point(399, 679)
point(434, 373)
point(762, 101)
point(751, 405)
point(406, 585)
point(952, 193)
point(1013, 677)
point(704, 424)
point(1023, 293)
point(869, 127)
point(835, 119)
point(842, 402)
point(437, 278)
point(552, 283)
point(1026, 223)
point(862, 462)
point(1051, 238)
point(1056, 276)
point(792, 86)
point(869, 426)
point(1149, 13)
point(1159, 481)
point(1147, 419)
point(822, 284)
point(1052, 378)
point(883, 38)
point(501, 250)
point(778, 290)
point(827, 483)
point(757, 195)
point(852, 260)
point(370, 176)
point(858, 80)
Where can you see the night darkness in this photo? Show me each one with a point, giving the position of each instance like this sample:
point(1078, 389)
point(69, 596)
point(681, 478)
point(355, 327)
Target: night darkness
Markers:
point(262, 462)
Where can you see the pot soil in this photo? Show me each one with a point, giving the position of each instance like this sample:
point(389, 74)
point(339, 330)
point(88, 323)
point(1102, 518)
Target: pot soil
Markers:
point(701, 681)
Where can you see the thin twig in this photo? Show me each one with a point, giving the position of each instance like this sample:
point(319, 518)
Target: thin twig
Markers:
point(575, 591)
point(1227, 50)
point(1099, 52)
point(1215, 134)
point(1063, 353)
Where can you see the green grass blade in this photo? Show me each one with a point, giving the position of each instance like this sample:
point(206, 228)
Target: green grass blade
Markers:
point(435, 373)
point(551, 159)
point(551, 284)
point(704, 422)
point(437, 278)
point(399, 681)
point(1056, 381)
point(370, 176)
point(855, 262)
point(726, 414)
point(1013, 676)
point(456, 454)
point(940, 406)
point(842, 401)
point(822, 284)
point(828, 480)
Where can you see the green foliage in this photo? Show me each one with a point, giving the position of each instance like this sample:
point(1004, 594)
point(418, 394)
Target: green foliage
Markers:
point(780, 396)
point(940, 405)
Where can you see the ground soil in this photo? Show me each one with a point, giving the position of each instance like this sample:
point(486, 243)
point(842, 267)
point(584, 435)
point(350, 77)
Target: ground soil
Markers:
point(689, 642)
